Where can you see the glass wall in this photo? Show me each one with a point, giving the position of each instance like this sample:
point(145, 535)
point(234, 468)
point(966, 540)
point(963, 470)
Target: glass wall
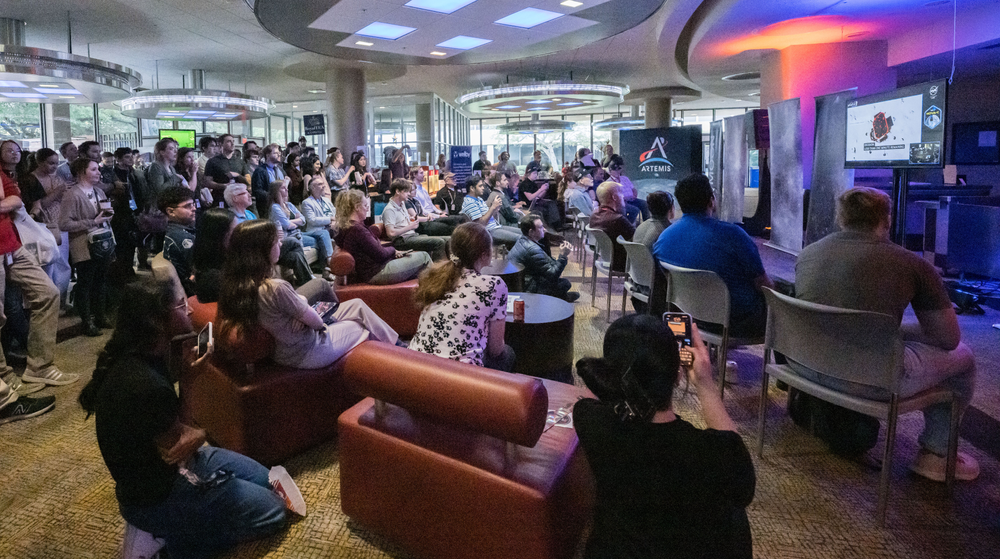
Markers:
point(21, 122)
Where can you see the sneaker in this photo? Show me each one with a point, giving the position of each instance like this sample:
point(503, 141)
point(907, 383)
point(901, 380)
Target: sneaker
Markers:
point(933, 467)
point(141, 545)
point(285, 488)
point(7, 396)
point(572, 296)
point(24, 408)
point(52, 376)
point(23, 388)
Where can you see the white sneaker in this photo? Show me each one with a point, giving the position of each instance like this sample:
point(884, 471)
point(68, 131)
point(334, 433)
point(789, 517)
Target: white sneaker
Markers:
point(23, 388)
point(285, 487)
point(140, 544)
point(51, 375)
point(7, 395)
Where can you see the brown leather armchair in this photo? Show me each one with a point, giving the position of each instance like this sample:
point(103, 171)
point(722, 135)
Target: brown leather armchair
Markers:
point(449, 460)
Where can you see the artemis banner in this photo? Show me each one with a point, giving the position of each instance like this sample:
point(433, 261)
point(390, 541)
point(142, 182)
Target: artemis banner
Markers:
point(664, 154)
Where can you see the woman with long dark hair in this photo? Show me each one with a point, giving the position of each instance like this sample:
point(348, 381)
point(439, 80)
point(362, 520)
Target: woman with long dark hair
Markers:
point(664, 487)
point(85, 212)
point(209, 253)
point(294, 174)
point(200, 499)
point(464, 312)
point(251, 297)
point(360, 178)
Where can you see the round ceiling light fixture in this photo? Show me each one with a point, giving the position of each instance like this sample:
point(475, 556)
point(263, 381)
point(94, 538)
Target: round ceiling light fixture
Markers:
point(47, 76)
point(196, 103)
point(535, 126)
point(621, 123)
point(543, 96)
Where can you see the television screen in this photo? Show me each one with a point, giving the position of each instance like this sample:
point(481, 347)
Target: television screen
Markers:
point(901, 128)
point(184, 138)
point(975, 143)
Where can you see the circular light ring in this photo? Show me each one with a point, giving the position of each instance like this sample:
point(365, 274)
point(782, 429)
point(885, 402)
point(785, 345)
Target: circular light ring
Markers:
point(98, 81)
point(148, 104)
point(535, 127)
point(621, 123)
point(604, 93)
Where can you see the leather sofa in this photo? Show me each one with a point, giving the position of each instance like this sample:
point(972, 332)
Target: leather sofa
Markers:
point(449, 460)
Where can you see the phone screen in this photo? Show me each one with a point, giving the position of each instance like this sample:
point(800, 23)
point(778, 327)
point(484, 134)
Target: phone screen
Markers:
point(205, 339)
point(680, 325)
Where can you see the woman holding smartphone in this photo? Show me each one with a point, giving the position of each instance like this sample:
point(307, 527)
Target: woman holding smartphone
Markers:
point(85, 211)
point(664, 487)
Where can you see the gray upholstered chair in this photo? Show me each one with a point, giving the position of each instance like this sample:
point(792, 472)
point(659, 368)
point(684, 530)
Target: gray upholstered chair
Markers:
point(703, 295)
point(641, 269)
point(603, 257)
point(861, 347)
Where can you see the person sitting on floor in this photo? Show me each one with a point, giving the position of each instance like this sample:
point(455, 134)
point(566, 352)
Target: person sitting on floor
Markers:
point(373, 263)
point(200, 499)
point(541, 271)
point(464, 312)
point(252, 298)
point(664, 487)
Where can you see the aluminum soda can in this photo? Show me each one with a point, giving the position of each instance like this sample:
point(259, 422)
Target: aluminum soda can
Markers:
point(519, 310)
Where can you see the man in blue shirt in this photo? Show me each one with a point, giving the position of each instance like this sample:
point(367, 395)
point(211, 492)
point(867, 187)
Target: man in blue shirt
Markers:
point(267, 172)
point(700, 241)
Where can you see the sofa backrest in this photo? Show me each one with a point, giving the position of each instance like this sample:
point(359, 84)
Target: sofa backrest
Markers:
point(507, 406)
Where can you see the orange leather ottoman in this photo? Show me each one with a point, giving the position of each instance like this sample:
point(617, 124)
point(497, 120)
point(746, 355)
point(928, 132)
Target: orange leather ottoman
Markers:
point(449, 460)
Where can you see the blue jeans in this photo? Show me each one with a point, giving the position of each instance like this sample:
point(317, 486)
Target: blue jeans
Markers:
point(635, 208)
point(203, 521)
point(319, 238)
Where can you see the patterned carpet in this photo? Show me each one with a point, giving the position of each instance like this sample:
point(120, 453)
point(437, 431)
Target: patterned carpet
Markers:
point(57, 499)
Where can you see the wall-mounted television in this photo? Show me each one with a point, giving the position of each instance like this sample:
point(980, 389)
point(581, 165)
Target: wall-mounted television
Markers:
point(901, 128)
point(184, 138)
point(975, 143)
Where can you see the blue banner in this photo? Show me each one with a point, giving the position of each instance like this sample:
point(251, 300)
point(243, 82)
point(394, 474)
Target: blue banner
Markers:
point(461, 165)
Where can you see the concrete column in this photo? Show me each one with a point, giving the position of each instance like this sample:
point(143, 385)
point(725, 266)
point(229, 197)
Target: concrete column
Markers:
point(345, 96)
point(808, 71)
point(423, 146)
point(658, 112)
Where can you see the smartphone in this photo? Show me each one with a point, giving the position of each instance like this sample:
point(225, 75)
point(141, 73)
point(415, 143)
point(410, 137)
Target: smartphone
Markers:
point(637, 405)
point(680, 325)
point(325, 310)
point(205, 340)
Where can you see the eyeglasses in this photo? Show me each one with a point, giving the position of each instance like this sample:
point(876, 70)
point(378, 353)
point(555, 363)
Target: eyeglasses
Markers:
point(187, 206)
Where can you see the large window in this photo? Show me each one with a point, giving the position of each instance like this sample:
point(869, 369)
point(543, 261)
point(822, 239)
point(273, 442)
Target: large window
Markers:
point(21, 122)
point(81, 122)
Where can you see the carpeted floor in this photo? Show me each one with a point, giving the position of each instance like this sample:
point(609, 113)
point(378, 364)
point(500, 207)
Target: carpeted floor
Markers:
point(57, 499)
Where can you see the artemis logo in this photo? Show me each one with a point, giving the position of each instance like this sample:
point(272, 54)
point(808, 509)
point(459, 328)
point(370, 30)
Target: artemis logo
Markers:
point(655, 160)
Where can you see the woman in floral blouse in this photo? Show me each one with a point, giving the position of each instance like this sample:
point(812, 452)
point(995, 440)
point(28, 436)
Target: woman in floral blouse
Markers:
point(464, 311)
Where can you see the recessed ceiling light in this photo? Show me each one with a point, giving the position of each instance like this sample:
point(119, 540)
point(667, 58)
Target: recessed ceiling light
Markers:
point(387, 31)
point(439, 6)
point(381, 107)
point(538, 109)
point(538, 102)
point(507, 107)
point(364, 43)
point(45, 85)
point(571, 4)
point(295, 106)
point(4, 83)
point(315, 91)
point(23, 95)
point(59, 91)
point(570, 104)
point(554, 100)
point(528, 18)
point(67, 97)
point(462, 42)
point(438, 53)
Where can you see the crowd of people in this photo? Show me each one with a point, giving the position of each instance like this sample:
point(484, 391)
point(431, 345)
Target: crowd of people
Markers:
point(236, 225)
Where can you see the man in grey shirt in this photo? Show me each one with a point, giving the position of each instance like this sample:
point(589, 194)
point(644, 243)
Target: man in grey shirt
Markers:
point(859, 268)
point(402, 231)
